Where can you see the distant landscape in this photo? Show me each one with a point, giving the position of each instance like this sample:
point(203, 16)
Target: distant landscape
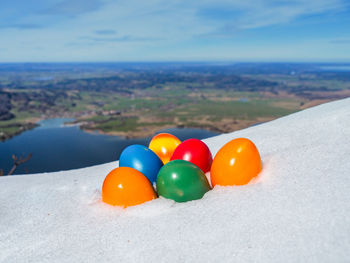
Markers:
point(135, 100)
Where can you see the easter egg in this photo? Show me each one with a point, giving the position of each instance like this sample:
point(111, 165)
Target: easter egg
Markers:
point(125, 186)
point(182, 181)
point(164, 144)
point(142, 159)
point(196, 152)
point(236, 163)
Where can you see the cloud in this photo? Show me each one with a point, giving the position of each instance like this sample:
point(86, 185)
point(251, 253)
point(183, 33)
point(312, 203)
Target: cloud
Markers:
point(26, 15)
point(23, 26)
point(260, 13)
point(133, 29)
point(220, 15)
point(126, 38)
point(105, 32)
point(73, 7)
point(340, 41)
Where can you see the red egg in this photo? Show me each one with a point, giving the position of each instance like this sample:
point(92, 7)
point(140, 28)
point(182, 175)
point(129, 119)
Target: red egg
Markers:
point(194, 151)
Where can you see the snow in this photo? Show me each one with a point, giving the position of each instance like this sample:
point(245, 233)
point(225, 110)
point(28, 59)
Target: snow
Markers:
point(297, 210)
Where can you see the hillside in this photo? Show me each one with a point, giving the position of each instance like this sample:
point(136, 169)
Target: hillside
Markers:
point(298, 210)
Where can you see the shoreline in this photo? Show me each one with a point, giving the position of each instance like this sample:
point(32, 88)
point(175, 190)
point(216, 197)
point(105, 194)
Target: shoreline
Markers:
point(21, 128)
point(140, 132)
point(150, 131)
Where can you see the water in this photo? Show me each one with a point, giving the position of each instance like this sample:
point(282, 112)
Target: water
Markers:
point(56, 147)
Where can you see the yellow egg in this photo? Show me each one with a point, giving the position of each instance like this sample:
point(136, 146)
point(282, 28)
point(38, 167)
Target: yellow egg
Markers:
point(164, 144)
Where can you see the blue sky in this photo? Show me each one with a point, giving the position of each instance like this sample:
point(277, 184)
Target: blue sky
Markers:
point(177, 30)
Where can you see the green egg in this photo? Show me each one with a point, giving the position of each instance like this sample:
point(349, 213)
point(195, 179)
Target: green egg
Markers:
point(182, 181)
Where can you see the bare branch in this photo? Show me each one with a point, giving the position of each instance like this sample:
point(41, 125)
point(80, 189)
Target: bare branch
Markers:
point(13, 169)
point(1, 172)
point(21, 160)
point(17, 162)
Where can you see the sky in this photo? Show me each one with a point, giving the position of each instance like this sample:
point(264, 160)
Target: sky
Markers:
point(174, 30)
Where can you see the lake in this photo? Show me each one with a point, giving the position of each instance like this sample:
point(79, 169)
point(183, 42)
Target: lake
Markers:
point(56, 147)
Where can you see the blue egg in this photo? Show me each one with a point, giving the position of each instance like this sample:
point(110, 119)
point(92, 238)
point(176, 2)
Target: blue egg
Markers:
point(142, 159)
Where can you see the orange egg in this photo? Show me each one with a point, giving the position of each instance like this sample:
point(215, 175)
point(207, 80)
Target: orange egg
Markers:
point(164, 144)
point(125, 186)
point(236, 163)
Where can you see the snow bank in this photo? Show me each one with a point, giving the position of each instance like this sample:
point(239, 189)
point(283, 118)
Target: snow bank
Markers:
point(297, 210)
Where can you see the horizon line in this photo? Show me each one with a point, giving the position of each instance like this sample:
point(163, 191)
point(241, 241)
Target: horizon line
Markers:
point(182, 61)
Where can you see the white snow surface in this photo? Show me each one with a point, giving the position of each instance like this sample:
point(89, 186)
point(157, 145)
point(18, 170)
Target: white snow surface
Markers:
point(297, 210)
